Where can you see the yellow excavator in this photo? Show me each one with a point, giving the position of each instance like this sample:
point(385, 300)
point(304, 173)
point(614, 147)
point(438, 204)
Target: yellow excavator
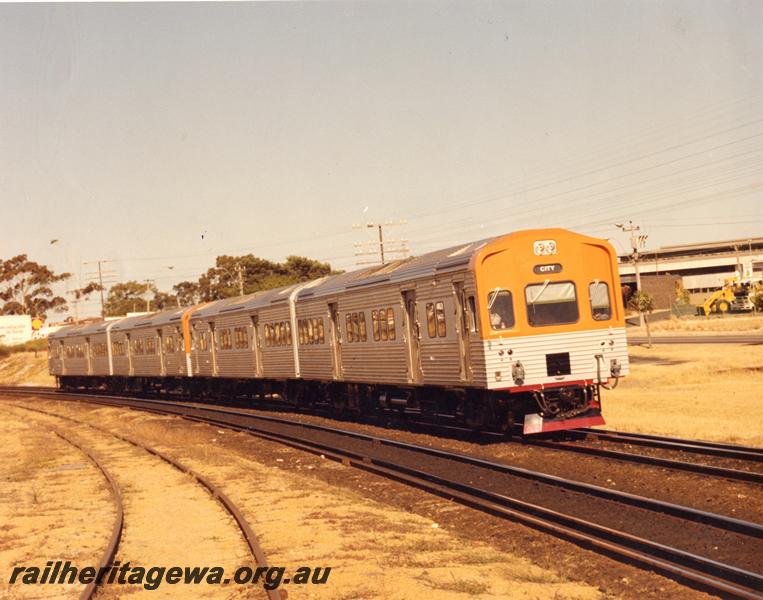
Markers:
point(735, 295)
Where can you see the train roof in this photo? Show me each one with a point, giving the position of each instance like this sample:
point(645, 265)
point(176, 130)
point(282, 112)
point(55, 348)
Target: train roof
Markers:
point(245, 303)
point(396, 271)
point(156, 319)
point(69, 330)
point(431, 263)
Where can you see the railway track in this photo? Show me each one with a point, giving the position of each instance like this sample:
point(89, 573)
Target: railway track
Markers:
point(112, 546)
point(248, 534)
point(739, 465)
point(708, 551)
point(746, 453)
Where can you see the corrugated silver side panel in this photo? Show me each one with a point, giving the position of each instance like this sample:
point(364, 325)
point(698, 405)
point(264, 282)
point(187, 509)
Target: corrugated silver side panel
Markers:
point(75, 365)
point(315, 360)
point(371, 361)
point(174, 362)
point(236, 362)
point(99, 365)
point(201, 361)
point(531, 351)
point(277, 361)
point(121, 364)
point(146, 365)
point(440, 356)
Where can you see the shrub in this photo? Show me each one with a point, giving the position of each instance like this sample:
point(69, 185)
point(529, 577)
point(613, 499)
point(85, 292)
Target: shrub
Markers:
point(30, 346)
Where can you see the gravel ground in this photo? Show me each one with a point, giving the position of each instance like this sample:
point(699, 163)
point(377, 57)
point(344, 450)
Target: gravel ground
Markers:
point(556, 561)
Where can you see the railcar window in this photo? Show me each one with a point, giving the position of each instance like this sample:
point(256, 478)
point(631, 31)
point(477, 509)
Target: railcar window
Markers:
point(348, 329)
point(431, 325)
point(601, 309)
point(362, 322)
point(321, 334)
point(551, 303)
point(356, 327)
point(137, 346)
point(150, 346)
point(375, 326)
point(267, 335)
point(383, 324)
point(501, 309)
point(287, 333)
point(310, 331)
point(301, 331)
point(472, 315)
point(204, 341)
point(241, 336)
point(169, 344)
point(439, 310)
point(391, 323)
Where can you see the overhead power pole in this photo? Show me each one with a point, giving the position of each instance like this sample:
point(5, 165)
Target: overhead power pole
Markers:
point(148, 283)
point(637, 241)
point(102, 274)
point(385, 247)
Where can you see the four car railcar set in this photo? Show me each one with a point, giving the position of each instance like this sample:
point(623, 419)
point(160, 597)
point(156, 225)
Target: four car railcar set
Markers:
point(526, 327)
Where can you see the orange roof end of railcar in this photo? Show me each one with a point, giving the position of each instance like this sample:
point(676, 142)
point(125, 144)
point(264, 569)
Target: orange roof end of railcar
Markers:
point(516, 260)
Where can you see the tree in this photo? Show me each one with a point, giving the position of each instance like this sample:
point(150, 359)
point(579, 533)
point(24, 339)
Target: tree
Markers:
point(26, 288)
point(187, 293)
point(233, 274)
point(164, 301)
point(757, 301)
point(644, 304)
point(128, 297)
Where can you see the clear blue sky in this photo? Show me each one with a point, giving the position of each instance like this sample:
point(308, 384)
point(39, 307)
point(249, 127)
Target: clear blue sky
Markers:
point(162, 135)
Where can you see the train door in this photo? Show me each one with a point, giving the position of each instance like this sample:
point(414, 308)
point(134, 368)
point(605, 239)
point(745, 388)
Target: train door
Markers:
point(462, 331)
point(412, 335)
point(256, 346)
point(61, 356)
point(128, 342)
point(213, 347)
point(88, 357)
point(335, 339)
point(195, 349)
point(160, 350)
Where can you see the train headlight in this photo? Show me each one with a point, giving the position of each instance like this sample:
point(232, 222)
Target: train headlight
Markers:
point(518, 373)
point(614, 368)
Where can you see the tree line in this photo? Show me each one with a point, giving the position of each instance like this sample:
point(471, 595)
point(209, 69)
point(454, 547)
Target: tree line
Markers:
point(26, 287)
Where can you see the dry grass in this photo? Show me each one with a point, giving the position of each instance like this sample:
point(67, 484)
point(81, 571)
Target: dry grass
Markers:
point(25, 368)
point(739, 324)
point(703, 391)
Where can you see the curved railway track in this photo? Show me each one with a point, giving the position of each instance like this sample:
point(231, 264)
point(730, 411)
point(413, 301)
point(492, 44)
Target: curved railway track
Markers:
point(736, 462)
point(249, 536)
point(113, 544)
point(704, 550)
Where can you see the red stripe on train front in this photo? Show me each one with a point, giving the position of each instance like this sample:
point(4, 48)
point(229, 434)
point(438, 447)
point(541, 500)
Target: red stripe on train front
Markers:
point(537, 387)
point(534, 423)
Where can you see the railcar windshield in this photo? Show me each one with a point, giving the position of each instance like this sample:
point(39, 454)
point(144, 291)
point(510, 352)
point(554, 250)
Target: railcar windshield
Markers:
point(551, 303)
point(601, 310)
point(501, 309)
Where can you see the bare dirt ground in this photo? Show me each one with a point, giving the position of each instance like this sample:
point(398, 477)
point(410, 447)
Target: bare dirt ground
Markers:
point(54, 504)
point(700, 391)
point(382, 540)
